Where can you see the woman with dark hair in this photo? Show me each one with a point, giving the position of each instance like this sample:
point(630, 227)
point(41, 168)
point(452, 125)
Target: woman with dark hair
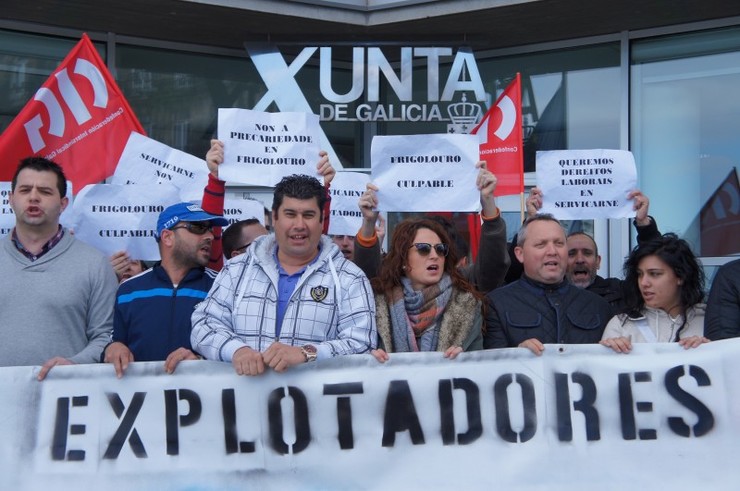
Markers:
point(422, 301)
point(664, 283)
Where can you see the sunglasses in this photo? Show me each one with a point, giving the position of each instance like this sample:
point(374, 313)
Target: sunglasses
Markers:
point(424, 248)
point(197, 228)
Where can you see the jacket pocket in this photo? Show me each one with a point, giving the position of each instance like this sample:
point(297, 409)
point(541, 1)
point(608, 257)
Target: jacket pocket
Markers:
point(585, 321)
point(523, 320)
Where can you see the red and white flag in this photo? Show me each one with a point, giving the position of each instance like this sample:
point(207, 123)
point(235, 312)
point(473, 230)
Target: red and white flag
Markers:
point(78, 118)
point(500, 133)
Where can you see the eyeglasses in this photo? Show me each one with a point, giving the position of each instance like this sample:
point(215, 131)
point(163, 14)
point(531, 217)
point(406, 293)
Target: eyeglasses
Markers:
point(424, 248)
point(197, 228)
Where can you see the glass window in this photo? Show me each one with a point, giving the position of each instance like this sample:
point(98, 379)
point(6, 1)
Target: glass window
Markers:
point(176, 95)
point(26, 61)
point(685, 103)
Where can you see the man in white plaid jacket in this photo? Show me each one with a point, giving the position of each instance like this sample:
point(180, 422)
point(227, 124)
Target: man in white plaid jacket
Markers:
point(292, 298)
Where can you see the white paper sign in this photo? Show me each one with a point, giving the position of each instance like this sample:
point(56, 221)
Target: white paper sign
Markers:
point(586, 184)
point(261, 148)
point(346, 189)
point(7, 216)
point(238, 209)
point(116, 218)
point(426, 172)
point(147, 161)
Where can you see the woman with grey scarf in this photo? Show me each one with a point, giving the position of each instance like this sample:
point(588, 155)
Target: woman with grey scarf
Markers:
point(422, 301)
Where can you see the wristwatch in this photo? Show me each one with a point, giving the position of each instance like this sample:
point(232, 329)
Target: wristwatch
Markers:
point(309, 351)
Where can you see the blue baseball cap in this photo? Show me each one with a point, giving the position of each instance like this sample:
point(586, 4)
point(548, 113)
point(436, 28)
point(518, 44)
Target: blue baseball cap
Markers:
point(186, 212)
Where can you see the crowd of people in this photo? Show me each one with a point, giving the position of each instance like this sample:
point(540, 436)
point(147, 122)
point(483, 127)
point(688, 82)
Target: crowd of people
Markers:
point(268, 299)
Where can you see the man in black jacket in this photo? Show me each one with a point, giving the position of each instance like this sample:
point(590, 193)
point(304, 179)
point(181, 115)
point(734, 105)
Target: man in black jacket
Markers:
point(723, 307)
point(584, 260)
point(542, 306)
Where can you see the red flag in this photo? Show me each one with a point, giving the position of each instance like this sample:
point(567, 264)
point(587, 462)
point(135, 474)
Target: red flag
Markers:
point(501, 140)
point(78, 118)
point(720, 219)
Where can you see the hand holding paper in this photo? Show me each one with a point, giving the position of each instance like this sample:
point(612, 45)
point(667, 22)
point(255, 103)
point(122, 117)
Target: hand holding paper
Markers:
point(586, 184)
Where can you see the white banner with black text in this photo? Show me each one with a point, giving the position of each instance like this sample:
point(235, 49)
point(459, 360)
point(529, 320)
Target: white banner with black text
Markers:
point(578, 417)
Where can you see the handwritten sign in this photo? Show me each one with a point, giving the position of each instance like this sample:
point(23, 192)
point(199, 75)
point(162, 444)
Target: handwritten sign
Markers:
point(261, 148)
point(146, 161)
point(586, 184)
point(237, 209)
point(115, 218)
point(346, 189)
point(7, 215)
point(426, 172)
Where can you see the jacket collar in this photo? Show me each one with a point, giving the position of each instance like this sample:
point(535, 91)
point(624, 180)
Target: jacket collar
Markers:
point(193, 274)
point(545, 286)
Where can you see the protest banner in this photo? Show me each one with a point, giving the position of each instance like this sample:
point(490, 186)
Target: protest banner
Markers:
point(577, 418)
point(261, 148)
point(7, 215)
point(78, 118)
point(122, 217)
point(346, 189)
point(586, 184)
point(147, 161)
point(425, 172)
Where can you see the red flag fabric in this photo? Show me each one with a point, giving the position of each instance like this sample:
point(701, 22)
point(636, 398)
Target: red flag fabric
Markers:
point(720, 219)
point(78, 118)
point(500, 133)
point(474, 231)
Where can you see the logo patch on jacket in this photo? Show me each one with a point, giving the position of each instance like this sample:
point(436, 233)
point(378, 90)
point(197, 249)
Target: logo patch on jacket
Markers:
point(319, 293)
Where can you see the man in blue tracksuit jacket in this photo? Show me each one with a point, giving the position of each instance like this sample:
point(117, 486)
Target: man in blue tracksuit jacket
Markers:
point(152, 313)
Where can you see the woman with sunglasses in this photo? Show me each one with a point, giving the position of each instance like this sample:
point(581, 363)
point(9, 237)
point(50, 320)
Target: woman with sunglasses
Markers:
point(422, 301)
point(664, 284)
point(490, 265)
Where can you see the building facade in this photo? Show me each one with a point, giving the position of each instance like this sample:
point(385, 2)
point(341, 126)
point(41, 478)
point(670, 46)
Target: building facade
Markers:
point(658, 78)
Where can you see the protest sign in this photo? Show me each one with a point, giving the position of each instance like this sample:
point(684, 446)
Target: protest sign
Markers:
point(116, 218)
point(7, 216)
point(261, 148)
point(147, 161)
point(584, 417)
point(346, 189)
point(425, 172)
point(238, 208)
point(586, 184)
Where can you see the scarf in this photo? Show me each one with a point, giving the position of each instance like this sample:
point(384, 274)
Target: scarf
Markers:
point(417, 314)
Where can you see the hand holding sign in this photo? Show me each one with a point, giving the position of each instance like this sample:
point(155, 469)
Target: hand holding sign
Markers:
point(215, 157)
point(641, 207)
point(486, 183)
point(369, 207)
point(325, 169)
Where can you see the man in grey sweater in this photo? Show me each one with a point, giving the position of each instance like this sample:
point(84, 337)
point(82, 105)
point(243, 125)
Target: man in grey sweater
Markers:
point(56, 293)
